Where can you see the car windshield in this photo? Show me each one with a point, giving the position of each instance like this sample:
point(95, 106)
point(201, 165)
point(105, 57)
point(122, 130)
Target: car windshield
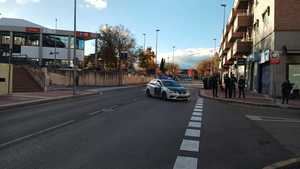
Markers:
point(171, 84)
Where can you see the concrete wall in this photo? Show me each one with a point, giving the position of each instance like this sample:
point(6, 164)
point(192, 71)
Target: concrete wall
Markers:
point(266, 26)
point(4, 75)
point(92, 78)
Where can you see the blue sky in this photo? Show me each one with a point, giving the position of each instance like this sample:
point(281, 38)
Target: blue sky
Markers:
point(190, 25)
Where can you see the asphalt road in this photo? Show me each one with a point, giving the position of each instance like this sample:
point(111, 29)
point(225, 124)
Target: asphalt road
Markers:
point(125, 130)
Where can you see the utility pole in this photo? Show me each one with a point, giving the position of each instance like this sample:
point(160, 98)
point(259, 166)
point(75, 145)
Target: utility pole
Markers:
point(156, 51)
point(96, 51)
point(74, 51)
point(174, 60)
point(224, 16)
point(55, 46)
point(214, 53)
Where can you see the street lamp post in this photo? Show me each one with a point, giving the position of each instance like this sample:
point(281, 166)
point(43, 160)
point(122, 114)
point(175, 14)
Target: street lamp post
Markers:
point(156, 52)
point(144, 41)
point(74, 50)
point(174, 60)
point(224, 16)
point(214, 53)
point(55, 46)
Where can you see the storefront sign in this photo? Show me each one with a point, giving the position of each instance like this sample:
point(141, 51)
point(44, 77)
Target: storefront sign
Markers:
point(265, 56)
point(33, 30)
point(275, 58)
point(241, 61)
point(83, 34)
point(255, 57)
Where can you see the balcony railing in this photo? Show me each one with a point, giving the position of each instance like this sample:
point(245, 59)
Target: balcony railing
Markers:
point(233, 36)
point(241, 4)
point(242, 47)
point(242, 22)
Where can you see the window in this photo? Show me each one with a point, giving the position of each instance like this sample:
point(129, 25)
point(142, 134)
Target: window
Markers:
point(265, 14)
point(55, 41)
point(5, 38)
point(256, 25)
point(80, 44)
point(294, 75)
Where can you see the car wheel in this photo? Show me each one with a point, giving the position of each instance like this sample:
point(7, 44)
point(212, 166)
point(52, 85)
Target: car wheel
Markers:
point(164, 96)
point(148, 93)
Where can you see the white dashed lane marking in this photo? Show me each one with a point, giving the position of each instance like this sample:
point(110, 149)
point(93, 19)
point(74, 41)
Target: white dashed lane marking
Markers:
point(186, 163)
point(190, 145)
point(195, 124)
point(198, 110)
point(199, 119)
point(197, 114)
point(192, 133)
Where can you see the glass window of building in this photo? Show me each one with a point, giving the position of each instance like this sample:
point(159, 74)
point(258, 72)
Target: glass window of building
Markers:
point(5, 38)
point(32, 39)
point(79, 42)
point(55, 41)
point(294, 75)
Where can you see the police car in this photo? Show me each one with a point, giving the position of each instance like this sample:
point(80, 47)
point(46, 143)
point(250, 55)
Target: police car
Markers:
point(167, 90)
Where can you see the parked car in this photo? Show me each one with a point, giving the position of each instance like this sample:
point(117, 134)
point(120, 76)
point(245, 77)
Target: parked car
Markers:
point(167, 90)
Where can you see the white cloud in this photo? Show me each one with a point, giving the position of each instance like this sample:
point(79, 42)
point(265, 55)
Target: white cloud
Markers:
point(22, 2)
point(2, 1)
point(98, 4)
point(187, 58)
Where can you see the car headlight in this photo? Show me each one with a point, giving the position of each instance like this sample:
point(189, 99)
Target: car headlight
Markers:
point(171, 91)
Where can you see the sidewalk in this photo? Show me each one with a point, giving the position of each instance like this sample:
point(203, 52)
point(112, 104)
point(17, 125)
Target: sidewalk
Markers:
point(252, 99)
point(54, 94)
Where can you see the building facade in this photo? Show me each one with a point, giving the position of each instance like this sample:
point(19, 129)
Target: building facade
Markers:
point(28, 40)
point(261, 43)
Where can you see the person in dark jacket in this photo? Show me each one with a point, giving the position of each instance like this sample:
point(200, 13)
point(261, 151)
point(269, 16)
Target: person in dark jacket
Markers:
point(215, 85)
point(227, 85)
point(242, 85)
point(233, 82)
point(286, 89)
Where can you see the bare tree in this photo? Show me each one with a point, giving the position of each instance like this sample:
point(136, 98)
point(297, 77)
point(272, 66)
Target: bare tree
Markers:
point(111, 42)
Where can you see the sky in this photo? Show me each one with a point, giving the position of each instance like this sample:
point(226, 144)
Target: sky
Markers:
point(190, 25)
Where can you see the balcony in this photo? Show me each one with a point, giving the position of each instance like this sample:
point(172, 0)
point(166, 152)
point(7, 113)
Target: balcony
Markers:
point(222, 53)
point(230, 57)
point(233, 36)
point(241, 48)
point(242, 22)
point(227, 45)
point(241, 4)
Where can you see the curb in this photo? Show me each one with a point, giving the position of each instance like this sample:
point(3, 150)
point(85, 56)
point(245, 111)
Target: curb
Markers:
point(248, 103)
point(294, 162)
point(42, 101)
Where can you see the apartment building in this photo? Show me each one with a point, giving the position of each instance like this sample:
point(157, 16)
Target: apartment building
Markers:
point(261, 43)
point(236, 43)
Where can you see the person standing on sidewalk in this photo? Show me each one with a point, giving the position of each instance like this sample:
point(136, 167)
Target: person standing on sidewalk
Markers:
point(233, 82)
point(227, 85)
point(242, 85)
point(215, 85)
point(286, 89)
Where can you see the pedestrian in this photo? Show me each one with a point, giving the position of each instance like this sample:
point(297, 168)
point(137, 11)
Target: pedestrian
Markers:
point(227, 85)
point(242, 85)
point(233, 82)
point(215, 85)
point(286, 89)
